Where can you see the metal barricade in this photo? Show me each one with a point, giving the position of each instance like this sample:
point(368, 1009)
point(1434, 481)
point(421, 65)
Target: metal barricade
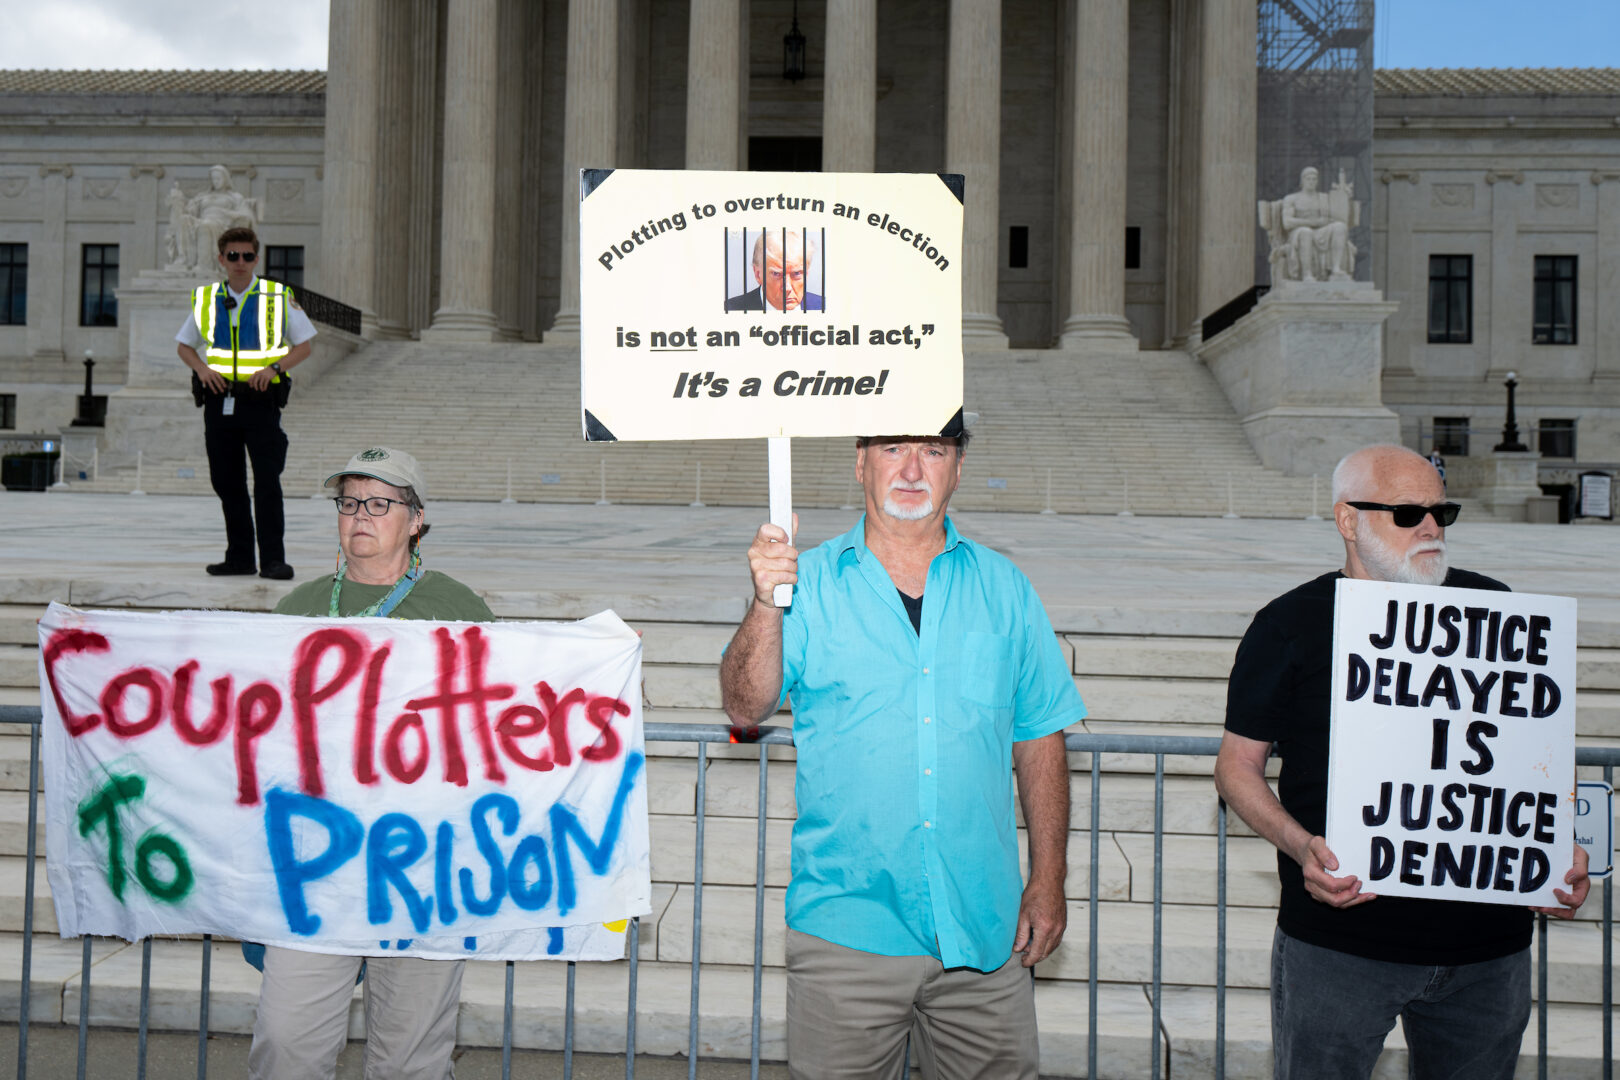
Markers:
point(1159, 747)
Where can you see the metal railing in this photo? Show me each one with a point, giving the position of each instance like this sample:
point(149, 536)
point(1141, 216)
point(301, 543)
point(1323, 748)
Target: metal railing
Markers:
point(1221, 319)
point(324, 309)
point(1158, 746)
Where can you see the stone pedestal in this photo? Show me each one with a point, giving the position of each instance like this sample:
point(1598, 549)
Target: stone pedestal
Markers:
point(153, 412)
point(1502, 481)
point(1304, 371)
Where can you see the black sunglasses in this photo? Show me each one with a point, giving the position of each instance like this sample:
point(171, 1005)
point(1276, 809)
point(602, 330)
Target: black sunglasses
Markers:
point(241, 256)
point(1410, 515)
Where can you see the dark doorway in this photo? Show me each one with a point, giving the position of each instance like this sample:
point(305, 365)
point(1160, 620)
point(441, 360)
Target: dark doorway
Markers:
point(786, 154)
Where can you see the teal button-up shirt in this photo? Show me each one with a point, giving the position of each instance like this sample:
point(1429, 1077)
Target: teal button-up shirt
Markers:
point(906, 839)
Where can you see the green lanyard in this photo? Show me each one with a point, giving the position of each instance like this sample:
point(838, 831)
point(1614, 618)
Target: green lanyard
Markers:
point(383, 608)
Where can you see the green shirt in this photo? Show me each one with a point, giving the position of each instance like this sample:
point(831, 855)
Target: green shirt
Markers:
point(436, 596)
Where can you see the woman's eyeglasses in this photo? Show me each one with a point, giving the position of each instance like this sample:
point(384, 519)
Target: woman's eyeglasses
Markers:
point(348, 505)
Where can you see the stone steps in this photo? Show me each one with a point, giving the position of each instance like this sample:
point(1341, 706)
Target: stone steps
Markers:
point(601, 994)
point(1155, 420)
point(1187, 1013)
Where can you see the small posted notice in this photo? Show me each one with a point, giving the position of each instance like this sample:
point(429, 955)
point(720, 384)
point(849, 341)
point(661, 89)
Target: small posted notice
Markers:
point(1452, 756)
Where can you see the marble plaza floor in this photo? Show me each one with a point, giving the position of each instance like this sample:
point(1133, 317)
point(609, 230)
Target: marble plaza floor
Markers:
point(565, 560)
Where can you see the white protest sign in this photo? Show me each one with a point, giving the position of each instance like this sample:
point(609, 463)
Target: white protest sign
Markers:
point(746, 305)
point(1451, 768)
point(356, 786)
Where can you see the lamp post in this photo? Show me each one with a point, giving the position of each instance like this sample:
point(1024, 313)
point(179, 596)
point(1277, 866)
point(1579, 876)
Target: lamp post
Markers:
point(87, 402)
point(1510, 430)
point(793, 50)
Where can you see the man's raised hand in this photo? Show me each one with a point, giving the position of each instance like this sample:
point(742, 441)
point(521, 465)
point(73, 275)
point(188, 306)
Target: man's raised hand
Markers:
point(773, 560)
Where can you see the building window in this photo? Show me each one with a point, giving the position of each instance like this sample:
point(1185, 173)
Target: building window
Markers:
point(1451, 435)
point(13, 284)
point(1018, 247)
point(1557, 438)
point(1555, 300)
point(285, 264)
point(1451, 299)
point(98, 283)
point(8, 412)
point(1133, 247)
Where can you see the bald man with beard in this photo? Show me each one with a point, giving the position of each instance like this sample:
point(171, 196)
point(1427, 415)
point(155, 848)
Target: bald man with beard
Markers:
point(1345, 963)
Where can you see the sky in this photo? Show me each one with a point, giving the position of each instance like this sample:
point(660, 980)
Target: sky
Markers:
point(122, 34)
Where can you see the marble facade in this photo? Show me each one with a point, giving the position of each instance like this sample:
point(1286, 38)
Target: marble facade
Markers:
point(1502, 167)
point(1113, 114)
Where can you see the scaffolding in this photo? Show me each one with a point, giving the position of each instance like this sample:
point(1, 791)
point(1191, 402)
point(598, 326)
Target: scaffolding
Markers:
point(1316, 107)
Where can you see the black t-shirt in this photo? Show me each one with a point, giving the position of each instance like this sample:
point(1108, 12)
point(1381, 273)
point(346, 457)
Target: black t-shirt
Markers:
point(1281, 691)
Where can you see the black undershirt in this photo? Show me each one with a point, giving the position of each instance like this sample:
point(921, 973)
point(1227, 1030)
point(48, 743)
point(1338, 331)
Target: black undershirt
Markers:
point(914, 609)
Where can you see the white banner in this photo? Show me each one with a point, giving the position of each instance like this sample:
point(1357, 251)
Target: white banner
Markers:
point(356, 786)
point(740, 305)
point(1452, 751)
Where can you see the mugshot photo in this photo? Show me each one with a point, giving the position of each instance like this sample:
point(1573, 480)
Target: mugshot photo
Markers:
point(775, 269)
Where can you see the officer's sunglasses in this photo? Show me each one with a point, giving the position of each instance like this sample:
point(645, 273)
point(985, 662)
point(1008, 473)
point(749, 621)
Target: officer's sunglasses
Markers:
point(241, 256)
point(1410, 515)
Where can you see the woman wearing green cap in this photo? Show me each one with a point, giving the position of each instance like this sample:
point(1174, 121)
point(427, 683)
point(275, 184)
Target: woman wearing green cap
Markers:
point(303, 1016)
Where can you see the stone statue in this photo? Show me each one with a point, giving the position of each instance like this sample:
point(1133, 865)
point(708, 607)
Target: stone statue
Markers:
point(195, 226)
point(1309, 231)
point(179, 244)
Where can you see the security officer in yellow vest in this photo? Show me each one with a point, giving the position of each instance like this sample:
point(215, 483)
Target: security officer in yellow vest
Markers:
point(252, 332)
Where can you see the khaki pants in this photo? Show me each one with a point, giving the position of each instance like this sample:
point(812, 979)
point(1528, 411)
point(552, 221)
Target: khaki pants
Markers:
point(303, 1018)
point(849, 1013)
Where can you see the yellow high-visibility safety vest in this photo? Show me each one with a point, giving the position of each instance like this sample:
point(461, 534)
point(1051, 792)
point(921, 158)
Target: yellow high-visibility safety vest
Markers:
point(250, 335)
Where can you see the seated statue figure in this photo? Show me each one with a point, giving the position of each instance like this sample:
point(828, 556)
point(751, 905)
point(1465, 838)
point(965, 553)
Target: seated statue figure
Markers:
point(1309, 231)
point(213, 211)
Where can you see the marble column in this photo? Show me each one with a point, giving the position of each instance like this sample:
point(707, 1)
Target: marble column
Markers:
point(1404, 281)
point(392, 253)
point(51, 302)
point(1607, 293)
point(590, 134)
point(1227, 146)
point(423, 175)
point(1097, 206)
point(143, 254)
point(973, 148)
point(466, 309)
point(716, 91)
point(849, 95)
point(1511, 305)
point(511, 123)
point(1181, 203)
point(349, 184)
point(533, 257)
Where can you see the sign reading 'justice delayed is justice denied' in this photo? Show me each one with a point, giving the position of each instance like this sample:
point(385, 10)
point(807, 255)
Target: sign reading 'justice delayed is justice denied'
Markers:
point(747, 305)
point(1452, 752)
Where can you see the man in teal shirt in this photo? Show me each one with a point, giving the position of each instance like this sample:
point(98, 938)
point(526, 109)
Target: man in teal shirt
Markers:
point(924, 674)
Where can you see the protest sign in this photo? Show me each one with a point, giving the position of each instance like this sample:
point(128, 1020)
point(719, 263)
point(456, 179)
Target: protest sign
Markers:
point(1452, 754)
point(746, 305)
point(354, 786)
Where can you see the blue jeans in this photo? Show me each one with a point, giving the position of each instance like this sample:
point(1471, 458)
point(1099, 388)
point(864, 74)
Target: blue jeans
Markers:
point(1330, 1012)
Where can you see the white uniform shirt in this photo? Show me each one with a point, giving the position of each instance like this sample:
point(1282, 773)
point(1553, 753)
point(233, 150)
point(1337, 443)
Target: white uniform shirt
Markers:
point(298, 328)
